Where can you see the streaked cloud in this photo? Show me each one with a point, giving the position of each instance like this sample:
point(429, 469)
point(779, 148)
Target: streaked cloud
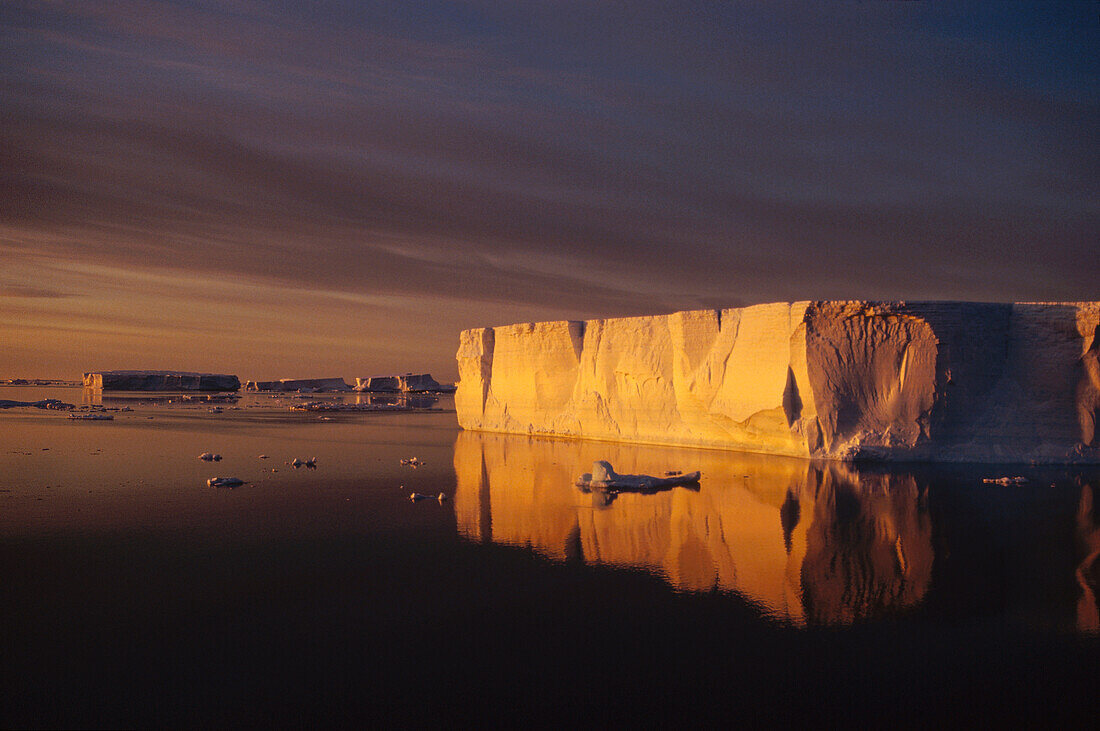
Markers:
point(520, 161)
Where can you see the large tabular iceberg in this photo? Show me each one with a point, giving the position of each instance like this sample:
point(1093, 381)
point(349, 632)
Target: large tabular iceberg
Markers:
point(161, 381)
point(945, 381)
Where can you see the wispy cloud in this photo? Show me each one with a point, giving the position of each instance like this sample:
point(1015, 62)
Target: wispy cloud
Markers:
point(22, 292)
point(558, 159)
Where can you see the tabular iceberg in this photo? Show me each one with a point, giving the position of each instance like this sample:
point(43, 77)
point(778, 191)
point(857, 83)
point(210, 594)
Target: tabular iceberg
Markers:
point(922, 381)
point(160, 381)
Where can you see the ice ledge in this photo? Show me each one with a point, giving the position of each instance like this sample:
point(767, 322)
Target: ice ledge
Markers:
point(922, 381)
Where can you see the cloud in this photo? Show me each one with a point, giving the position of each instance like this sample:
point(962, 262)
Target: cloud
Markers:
point(569, 158)
point(22, 292)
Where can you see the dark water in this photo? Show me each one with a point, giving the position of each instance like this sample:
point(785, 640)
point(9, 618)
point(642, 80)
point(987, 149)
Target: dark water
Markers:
point(778, 591)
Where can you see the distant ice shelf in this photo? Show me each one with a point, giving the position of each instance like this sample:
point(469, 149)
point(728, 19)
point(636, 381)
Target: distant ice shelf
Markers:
point(845, 380)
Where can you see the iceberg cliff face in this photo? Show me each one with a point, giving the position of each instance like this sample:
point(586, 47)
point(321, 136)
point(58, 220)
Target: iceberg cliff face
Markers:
point(942, 381)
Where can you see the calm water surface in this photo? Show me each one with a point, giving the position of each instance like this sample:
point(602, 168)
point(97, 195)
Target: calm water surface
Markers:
point(777, 591)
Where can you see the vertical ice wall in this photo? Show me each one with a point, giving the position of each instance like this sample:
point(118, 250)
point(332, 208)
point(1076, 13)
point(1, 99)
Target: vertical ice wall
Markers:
point(888, 380)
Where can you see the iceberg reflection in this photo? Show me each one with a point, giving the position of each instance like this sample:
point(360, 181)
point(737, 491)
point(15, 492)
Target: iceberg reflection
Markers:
point(808, 543)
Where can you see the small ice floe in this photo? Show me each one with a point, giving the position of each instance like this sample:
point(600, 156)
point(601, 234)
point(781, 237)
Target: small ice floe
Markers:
point(210, 457)
point(93, 416)
point(603, 477)
point(417, 497)
point(224, 482)
point(1004, 480)
point(412, 462)
point(326, 406)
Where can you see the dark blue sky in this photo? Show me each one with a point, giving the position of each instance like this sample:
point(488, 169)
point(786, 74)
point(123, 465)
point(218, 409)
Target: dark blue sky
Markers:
point(466, 164)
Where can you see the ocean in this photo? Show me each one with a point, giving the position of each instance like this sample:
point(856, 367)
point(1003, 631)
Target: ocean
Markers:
point(774, 591)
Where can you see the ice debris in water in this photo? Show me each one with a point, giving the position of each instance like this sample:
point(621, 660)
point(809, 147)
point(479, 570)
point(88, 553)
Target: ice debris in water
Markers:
point(604, 477)
point(1004, 480)
point(210, 457)
point(224, 482)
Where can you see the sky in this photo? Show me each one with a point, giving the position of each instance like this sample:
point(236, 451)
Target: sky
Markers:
point(286, 189)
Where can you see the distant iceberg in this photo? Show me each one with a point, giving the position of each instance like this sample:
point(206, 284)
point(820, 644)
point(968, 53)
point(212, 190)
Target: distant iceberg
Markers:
point(160, 381)
point(408, 383)
point(305, 385)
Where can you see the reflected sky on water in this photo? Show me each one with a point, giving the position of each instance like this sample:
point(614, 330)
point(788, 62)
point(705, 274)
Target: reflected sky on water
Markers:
point(805, 543)
point(136, 595)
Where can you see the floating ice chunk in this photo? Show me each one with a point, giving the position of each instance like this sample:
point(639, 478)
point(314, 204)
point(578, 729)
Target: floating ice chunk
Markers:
point(604, 477)
point(224, 482)
point(322, 406)
point(1004, 480)
point(210, 457)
